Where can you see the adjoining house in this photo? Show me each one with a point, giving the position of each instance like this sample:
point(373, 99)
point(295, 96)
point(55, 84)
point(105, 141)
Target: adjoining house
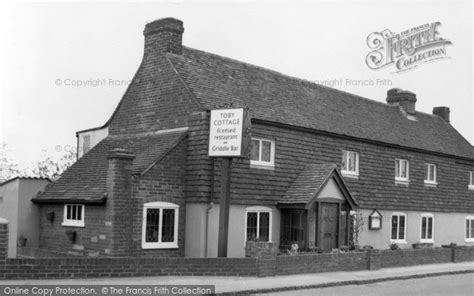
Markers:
point(317, 156)
point(22, 215)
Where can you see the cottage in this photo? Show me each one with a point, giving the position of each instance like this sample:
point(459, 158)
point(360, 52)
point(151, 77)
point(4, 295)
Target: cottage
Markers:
point(318, 155)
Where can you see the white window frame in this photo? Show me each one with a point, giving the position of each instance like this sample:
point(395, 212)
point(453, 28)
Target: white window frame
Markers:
point(74, 222)
point(427, 240)
point(264, 164)
point(398, 178)
point(468, 239)
point(398, 240)
point(258, 210)
point(161, 206)
point(427, 173)
point(345, 171)
point(470, 186)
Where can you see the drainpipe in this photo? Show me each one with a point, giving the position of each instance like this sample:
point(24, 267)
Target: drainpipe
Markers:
point(209, 208)
point(211, 204)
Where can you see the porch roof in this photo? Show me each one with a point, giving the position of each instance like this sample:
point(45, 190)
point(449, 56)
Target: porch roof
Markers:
point(309, 183)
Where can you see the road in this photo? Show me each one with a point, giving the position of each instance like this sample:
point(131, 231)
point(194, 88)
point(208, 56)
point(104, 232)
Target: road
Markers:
point(452, 285)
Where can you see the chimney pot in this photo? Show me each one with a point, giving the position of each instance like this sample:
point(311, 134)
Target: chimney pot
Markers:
point(403, 98)
point(164, 35)
point(442, 112)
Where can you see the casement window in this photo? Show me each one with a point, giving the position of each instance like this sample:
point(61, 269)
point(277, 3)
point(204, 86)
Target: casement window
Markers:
point(399, 227)
point(402, 170)
point(469, 229)
point(262, 152)
point(86, 144)
point(258, 224)
point(471, 180)
point(427, 225)
point(350, 163)
point(160, 225)
point(430, 173)
point(73, 215)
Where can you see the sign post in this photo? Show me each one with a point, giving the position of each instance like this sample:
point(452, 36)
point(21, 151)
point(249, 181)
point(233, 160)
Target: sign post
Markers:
point(228, 138)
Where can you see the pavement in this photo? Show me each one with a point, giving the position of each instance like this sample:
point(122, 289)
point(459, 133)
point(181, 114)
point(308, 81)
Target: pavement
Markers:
point(251, 285)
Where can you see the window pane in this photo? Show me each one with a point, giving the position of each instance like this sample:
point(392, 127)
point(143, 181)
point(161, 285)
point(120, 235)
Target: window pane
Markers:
point(472, 229)
point(266, 151)
point(344, 161)
point(433, 173)
point(167, 229)
point(79, 213)
point(401, 231)
point(394, 227)
point(403, 169)
point(254, 151)
point(427, 172)
point(74, 215)
point(152, 224)
point(430, 228)
point(264, 231)
point(251, 226)
point(423, 227)
point(467, 228)
point(397, 168)
point(352, 162)
point(68, 214)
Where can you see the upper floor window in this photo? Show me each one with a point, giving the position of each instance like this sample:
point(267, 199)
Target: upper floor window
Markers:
point(160, 225)
point(258, 224)
point(262, 152)
point(402, 170)
point(399, 227)
point(86, 144)
point(73, 215)
point(430, 173)
point(427, 221)
point(471, 180)
point(350, 163)
point(469, 229)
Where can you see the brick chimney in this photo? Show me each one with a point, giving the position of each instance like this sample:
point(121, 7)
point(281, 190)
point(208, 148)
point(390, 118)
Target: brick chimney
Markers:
point(403, 98)
point(164, 35)
point(118, 227)
point(442, 112)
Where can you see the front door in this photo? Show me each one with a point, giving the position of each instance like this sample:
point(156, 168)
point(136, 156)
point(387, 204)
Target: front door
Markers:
point(329, 226)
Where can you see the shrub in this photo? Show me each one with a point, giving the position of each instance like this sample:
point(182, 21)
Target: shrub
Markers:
point(394, 247)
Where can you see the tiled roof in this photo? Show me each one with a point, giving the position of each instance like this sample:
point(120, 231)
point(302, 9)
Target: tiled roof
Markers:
point(272, 96)
point(309, 183)
point(85, 180)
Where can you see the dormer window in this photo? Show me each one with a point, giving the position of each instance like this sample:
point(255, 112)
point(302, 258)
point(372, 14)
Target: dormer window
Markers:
point(430, 173)
point(402, 170)
point(350, 163)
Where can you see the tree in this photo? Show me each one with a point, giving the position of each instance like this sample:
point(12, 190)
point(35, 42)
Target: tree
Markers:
point(52, 169)
point(8, 167)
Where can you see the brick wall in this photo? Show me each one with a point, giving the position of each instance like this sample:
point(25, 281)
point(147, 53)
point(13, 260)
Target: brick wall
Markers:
point(92, 240)
point(156, 99)
point(3, 239)
point(49, 268)
point(463, 254)
point(410, 257)
point(164, 182)
point(375, 187)
point(315, 263)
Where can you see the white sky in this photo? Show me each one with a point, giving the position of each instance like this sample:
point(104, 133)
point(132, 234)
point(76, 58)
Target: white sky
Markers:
point(41, 43)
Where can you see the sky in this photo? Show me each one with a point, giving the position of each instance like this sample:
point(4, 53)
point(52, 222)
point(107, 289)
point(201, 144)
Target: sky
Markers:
point(64, 66)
